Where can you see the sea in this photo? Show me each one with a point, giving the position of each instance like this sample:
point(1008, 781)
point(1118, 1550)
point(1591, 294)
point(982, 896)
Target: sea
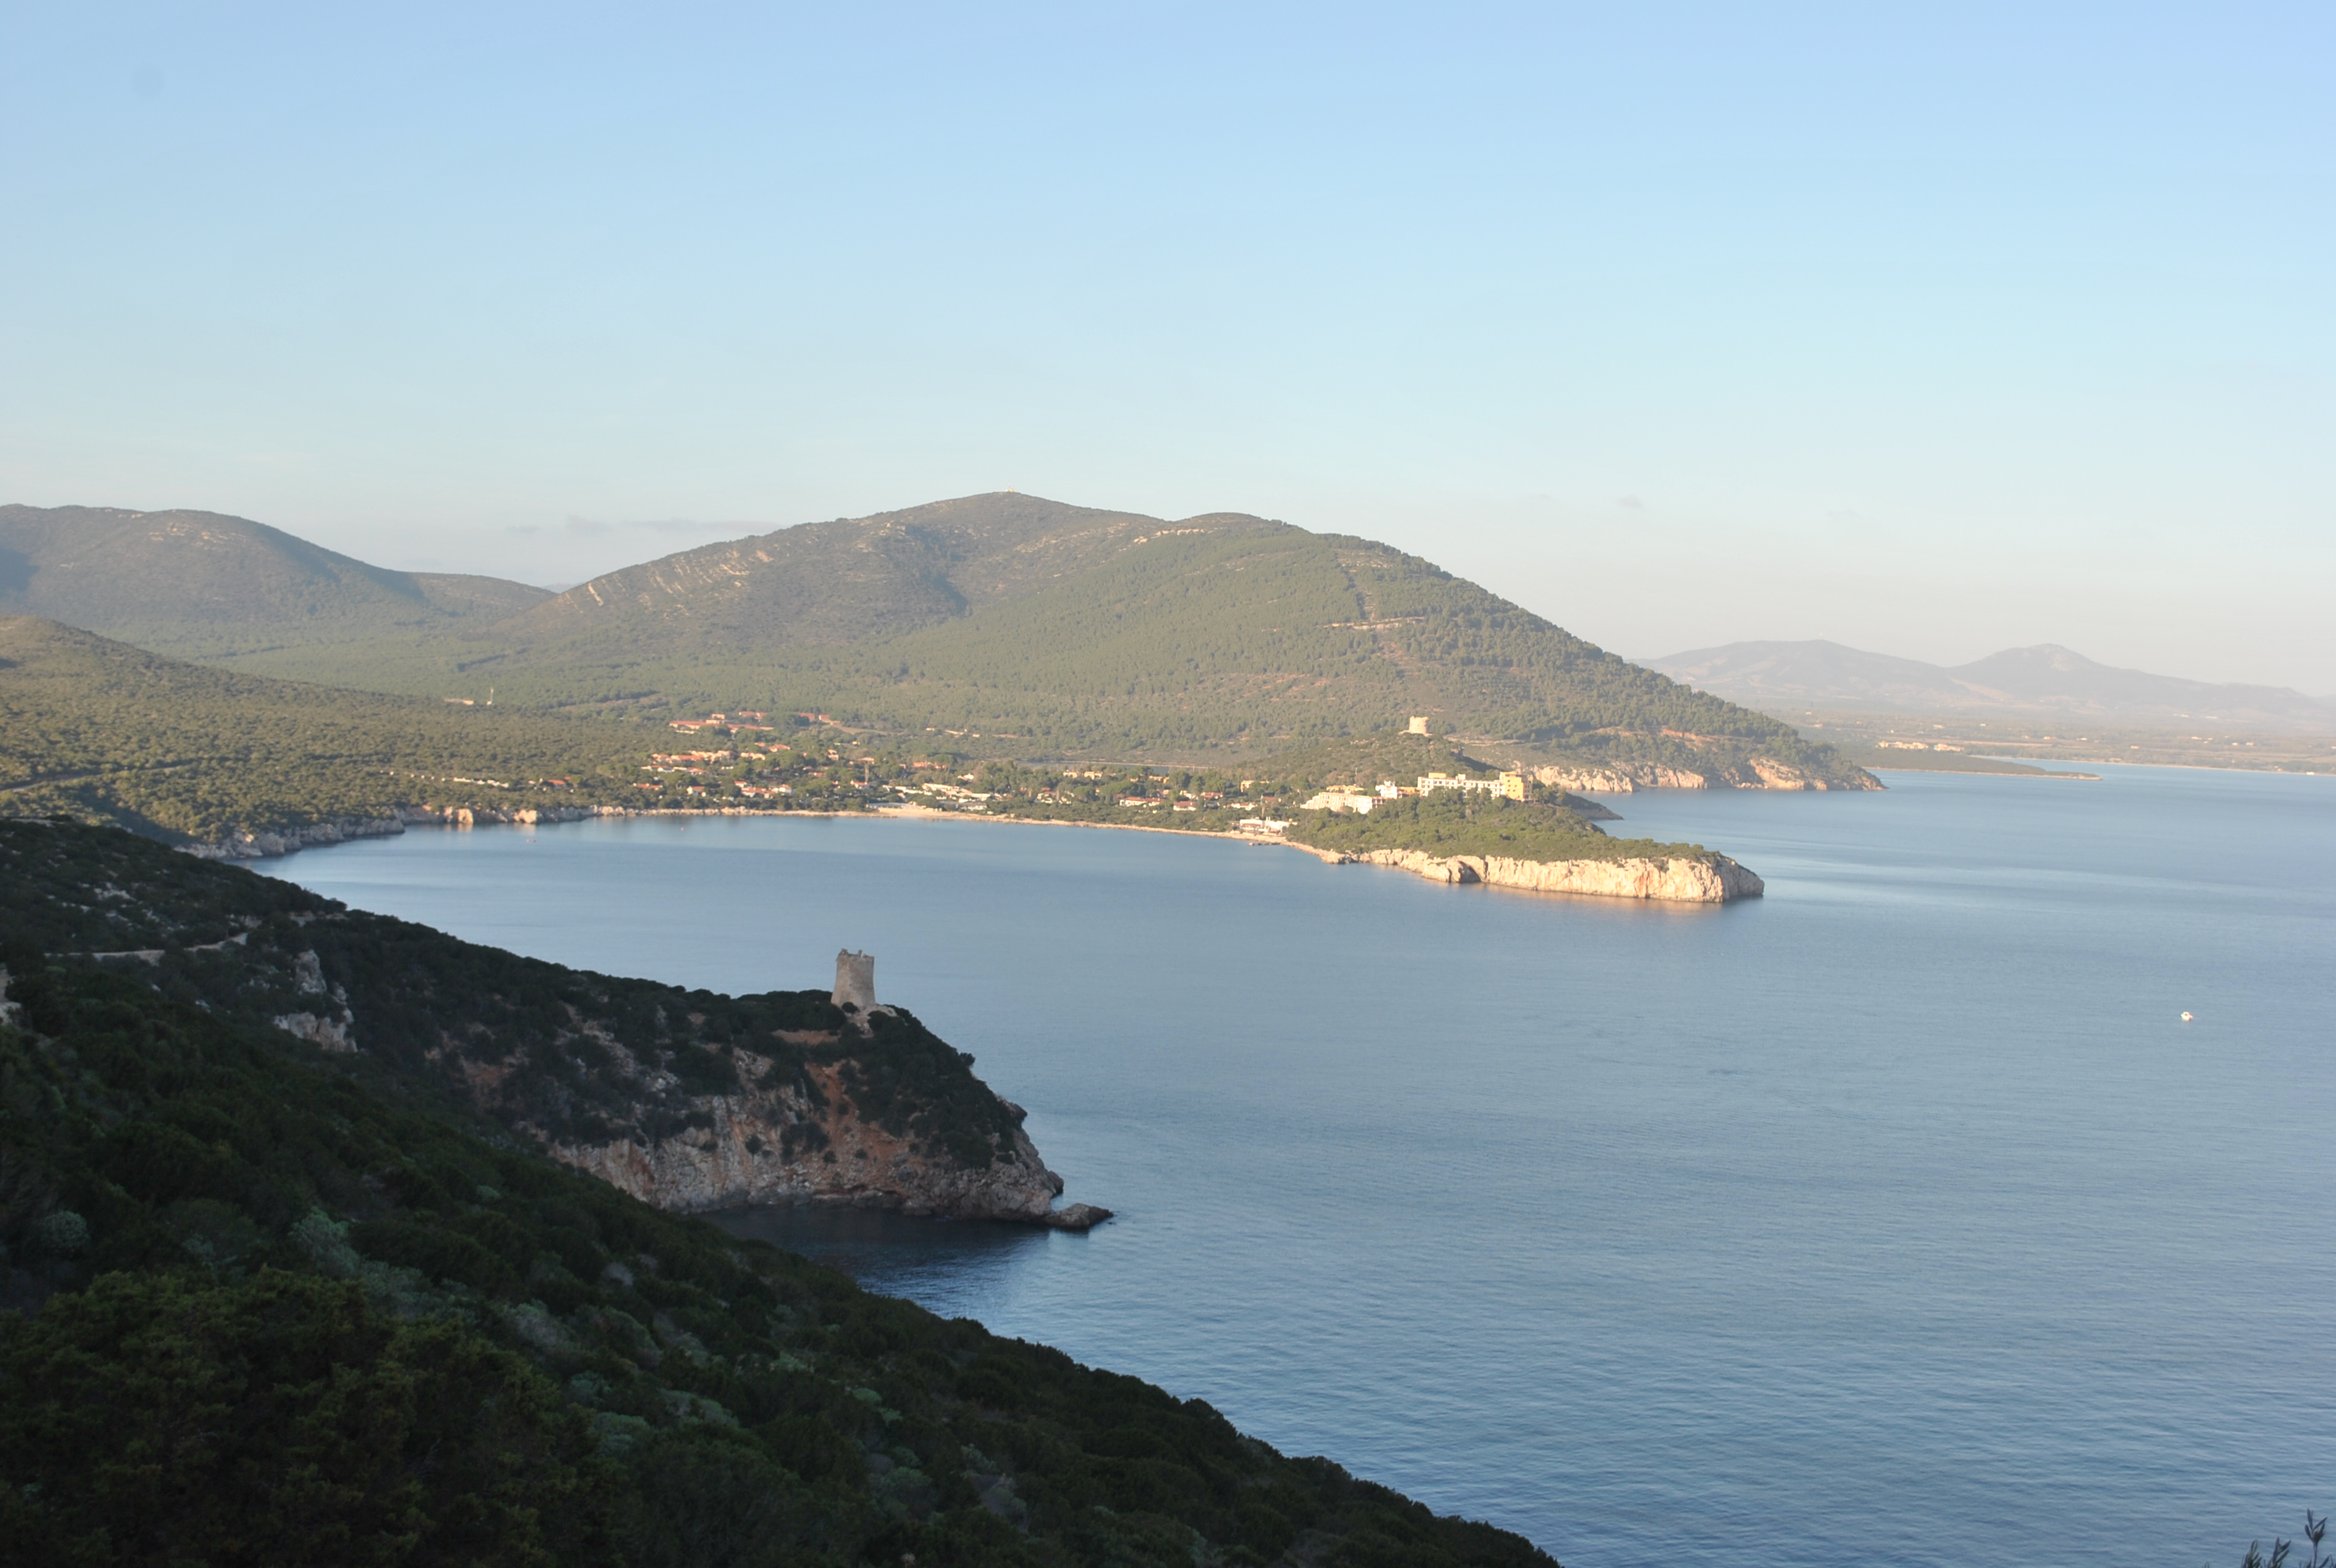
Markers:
point(1898, 1216)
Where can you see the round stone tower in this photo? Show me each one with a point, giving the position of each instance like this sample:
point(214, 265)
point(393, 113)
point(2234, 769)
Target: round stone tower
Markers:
point(855, 982)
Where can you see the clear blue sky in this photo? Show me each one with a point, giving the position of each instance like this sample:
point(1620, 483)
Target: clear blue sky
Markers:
point(1929, 329)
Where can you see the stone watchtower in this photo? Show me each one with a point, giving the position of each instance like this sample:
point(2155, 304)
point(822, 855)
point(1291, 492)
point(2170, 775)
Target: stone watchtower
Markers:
point(856, 985)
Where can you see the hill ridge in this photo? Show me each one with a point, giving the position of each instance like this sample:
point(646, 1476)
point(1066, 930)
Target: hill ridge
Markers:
point(1068, 630)
point(199, 583)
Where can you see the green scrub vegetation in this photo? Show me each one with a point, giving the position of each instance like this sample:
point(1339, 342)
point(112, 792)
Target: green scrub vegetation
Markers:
point(1445, 824)
point(270, 1303)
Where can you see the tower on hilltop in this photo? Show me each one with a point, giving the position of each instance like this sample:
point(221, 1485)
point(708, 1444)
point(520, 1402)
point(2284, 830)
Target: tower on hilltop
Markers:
point(1418, 725)
point(856, 985)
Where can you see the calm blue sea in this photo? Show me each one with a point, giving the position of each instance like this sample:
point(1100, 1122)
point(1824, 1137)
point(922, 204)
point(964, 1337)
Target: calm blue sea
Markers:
point(1895, 1217)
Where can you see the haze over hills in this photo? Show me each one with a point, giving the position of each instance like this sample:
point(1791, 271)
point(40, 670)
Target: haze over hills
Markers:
point(200, 584)
point(1011, 618)
point(2045, 682)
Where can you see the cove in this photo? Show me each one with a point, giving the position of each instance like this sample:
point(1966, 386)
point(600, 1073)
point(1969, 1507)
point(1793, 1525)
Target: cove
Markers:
point(1894, 1215)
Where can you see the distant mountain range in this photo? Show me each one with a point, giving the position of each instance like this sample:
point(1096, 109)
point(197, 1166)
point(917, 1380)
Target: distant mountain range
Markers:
point(1002, 618)
point(2046, 681)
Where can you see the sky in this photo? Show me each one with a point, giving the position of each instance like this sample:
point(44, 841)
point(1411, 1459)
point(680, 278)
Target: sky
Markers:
point(1931, 329)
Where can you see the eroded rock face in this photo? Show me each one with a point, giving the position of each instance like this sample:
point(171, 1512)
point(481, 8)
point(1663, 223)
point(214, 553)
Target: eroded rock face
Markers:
point(247, 846)
point(805, 1142)
point(1718, 880)
point(687, 1098)
point(1588, 780)
point(1759, 773)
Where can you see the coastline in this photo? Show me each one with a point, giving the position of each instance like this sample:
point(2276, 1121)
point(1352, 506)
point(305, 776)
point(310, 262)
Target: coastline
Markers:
point(1720, 881)
point(2018, 769)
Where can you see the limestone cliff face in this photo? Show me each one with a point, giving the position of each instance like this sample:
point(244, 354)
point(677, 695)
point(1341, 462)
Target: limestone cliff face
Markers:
point(804, 1141)
point(1758, 773)
point(1718, 880)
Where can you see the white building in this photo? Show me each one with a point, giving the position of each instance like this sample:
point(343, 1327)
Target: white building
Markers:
point(1341, 800)
point(1508, 787)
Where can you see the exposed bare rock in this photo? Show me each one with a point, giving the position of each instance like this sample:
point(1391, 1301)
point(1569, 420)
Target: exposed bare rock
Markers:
point(1757, 773)
point(1678, 878)
point(252, 846)
point(333, 1034)
point(1078, 1217)
point(1588, 780)
point(804, 1141)
point(240, 845)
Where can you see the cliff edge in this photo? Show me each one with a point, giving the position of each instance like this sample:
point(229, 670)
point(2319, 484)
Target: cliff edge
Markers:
point(1678, 878)
point(687, 1099)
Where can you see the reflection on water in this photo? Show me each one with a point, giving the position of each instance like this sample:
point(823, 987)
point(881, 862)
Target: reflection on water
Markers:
point(956, 1267)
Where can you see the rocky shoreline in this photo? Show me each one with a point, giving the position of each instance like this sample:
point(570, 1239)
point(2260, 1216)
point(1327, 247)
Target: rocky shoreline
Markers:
point(755, 1152)
point(1677, 880)
point(1758, 773)
point(269, 844)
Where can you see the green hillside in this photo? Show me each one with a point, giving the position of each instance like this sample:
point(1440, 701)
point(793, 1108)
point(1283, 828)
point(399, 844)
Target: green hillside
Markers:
point(186, 752)
point(1447, 824)
point(200, 584)
point(831, 584)
point(275, 1305)
point(1021, 625)
point(1051, 628)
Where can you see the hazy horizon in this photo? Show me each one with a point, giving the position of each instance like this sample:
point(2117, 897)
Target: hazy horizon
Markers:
point(1930, 334)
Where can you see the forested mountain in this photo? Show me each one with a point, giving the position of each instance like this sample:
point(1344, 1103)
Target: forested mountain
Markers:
point(1057, 630)
point(205, 585)
point(834, 584)
point(280, 1303)
point(183, 751)
point(1083, 628)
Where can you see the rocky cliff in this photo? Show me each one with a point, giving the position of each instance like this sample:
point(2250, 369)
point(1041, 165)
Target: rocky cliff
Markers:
point(805, 1143)
point(689, 1100)
point(1758, 773)
point(1716, 881)
point(268, 844)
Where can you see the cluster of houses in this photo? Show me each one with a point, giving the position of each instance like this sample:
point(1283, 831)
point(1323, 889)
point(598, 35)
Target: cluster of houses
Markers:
point(1505, 786)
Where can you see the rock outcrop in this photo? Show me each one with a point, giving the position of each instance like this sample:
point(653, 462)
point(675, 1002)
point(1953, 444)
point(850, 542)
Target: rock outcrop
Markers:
point(1678, 878)
point(271, 843)
point(687, 1099)
point(805, 1142)
point(268, 846)
point(1758, 773)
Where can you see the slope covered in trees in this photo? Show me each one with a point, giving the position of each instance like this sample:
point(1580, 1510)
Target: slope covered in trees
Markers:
point(1075, 630)
point(277, 1305)
point(189, 752)
point(1065, 629)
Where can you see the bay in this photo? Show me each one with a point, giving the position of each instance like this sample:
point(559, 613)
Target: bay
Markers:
point(1893, 1216)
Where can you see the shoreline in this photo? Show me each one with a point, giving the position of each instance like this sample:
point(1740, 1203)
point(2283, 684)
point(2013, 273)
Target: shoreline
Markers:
point(1720, 881)
point(2031, 772)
